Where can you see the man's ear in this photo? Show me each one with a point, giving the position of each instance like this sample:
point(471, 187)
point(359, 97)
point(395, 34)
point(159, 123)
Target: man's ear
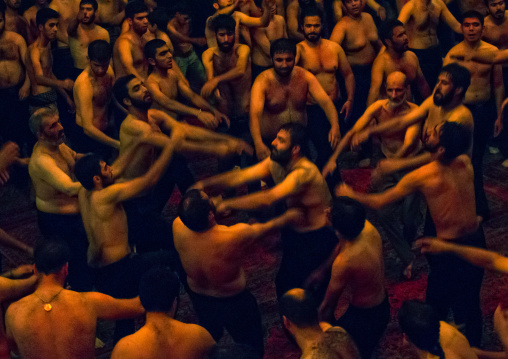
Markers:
point(295, 150)
point(96, 179)
point(151, 62)
point(440, 151)
point(286, 321)
point(126, 102)
point(216, 6)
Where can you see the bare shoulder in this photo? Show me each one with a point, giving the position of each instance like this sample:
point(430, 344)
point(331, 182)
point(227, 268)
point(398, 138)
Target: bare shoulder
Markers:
point(12, 36)
point(279, 20)
point(209, 52)
point(411, 56)
point(129, 347)
point(486, 46)
point(368, 19)
point(462, 115)
point(242, 49)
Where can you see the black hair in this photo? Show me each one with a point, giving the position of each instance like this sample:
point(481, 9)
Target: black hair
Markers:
point(234, 351)
point(421, 324)
point(151, 47)
point(300, 310)
point(473, 14)
point(86, 168)
point(100, 51)
point(94, 3)
point(487, 2)
point(3, 6)
point(193, 210)
point(386, 30)
point(158, 289)
point(298, 136)
point(223, 21)
point(181, 8)
point(283, 46)
point(455, 138)
point(120, 89)
point(459, 75)
point(159, 16)
point(310, 10)
point(135, 7)
point(45, 14)
point(348, 217)
point(51, 255)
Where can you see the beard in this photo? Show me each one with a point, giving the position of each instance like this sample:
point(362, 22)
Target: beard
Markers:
point(282, 157)
point(141, 104)
point(442, 100)
point(313, 37)
point(227, 48)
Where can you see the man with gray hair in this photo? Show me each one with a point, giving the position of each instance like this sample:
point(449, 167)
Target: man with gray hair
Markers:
point(51, 169)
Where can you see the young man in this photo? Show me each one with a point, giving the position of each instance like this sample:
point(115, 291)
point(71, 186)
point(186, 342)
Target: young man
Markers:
point(317, 340)
point(447, 185)
point(30, 14)
point(43, 82)
point(212, 256)
point(82, 31)
point(47, 322)
point(159, 291)
point(92, 94)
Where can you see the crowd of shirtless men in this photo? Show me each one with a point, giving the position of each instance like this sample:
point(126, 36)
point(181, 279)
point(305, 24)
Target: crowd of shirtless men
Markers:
point(279, 91)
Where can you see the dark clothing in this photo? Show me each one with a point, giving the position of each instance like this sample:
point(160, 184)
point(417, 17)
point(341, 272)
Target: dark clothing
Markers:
point(431, 63)
point(69, 228)
point(114, 32)
point(41, 100)
point(239, 314)
point(366, 326)
point(484, 116)
point(302, 253)
point(362, 75)
point(14, 121)
point(455, 284)
point(82, 143)
point(63, 64)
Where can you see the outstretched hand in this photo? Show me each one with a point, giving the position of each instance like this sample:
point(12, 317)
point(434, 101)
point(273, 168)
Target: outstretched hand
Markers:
point(432, 245)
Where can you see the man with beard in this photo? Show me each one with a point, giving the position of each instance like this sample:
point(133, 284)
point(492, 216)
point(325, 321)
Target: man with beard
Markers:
point(14, 87)
point(324, 59)
point(301, 186)
point(279, 96)
point(117, 270)
point(51, 169)
point(30, 14)
point(448, 188)
point(166, 87)
point(128, 49)
point(212, 256)
point(399, 220)
point(40, 65)
point(82, 31)
point(396, 58)
point(14, 21)
point(92, 94)
point(484, 97)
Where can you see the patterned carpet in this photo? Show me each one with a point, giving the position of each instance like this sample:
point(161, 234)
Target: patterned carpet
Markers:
point(18, 217)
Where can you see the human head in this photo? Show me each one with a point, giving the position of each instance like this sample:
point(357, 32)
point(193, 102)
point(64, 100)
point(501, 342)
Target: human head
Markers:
point(181, 12)
point(454, 80)
point(420, 325)
point(45, 125)
point(157, 54)
point(353, 7)
point(221, 4)
point(159, 289)
point(88, 9)
point(472, 26)
point(158, 19)
point(92, 172)
point(311, 20)
point(196, 210)
point(291, 143)
point(396, 88)
point(13, 4)
point(449, 139)
point(393, 35)
point(224, 27)
point(99, 55)
point(348, 217)
point(47, 22)
point(283, 52)
point(298, 309)
point(496, 8)
point(136, 13)
point(129, 91)
point(51, 256)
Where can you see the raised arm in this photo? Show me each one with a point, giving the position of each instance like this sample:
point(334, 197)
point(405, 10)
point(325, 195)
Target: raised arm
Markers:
point(109, 308)
point(262, 21)
point(257, 104)
point(200, 41)
point(14, 289)
point(447, 17)
point(292, 21)
point(406, 12)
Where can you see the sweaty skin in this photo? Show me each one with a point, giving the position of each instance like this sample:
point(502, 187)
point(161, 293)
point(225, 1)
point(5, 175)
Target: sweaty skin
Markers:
point(262, 37)
point(68, 10)
point(13, 52)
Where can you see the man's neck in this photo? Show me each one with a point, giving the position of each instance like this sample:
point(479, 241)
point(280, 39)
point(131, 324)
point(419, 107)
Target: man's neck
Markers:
point(397, 108)
point(454, 103)
point(497, 21)
point(49, 146)
point(51, 281)
point(139, 114)
point(423, 2)
point(356, 18)
point(43, 40)
point(394, 54)
point(161, 72)
point(11, 11)
point(313, 44)
point(307, 337)
point(292, 164)
point(134, 33)
point(87, 27)
point(159, 319)
point(472, 44)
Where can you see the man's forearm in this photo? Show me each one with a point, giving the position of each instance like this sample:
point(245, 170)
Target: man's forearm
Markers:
point(221, 182)
point(250, 202)
point(98, 135)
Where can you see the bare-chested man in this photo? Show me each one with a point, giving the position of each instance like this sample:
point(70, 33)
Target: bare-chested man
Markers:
point(128, 49)
point(15, 22)
point(262, 38)
point(279, 96)
point(110, 15)
point(30, 14)
point(92, 94)
point(357, 34)
point(44, 83)
point(317, 340)
point(212, 256)
point(447, 185)
point(484, 97)
point(421, 19)
point(323, 58)
point(47, 323)
point(359, 265)
point(14, 87)
point(82, 31)
point(300, 185)
point(166, 87)
point(431, 337)
point(396, 58)
point(162, 334)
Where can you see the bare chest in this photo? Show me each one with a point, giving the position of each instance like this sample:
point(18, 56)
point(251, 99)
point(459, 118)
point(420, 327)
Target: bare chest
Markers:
point(102, 91)
point(425, 17)
point(405, 65)
point(279, 97)
point(222, 64)
point(496, 35)
point(319, 60)
point(8, 51)
point(169, 87)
